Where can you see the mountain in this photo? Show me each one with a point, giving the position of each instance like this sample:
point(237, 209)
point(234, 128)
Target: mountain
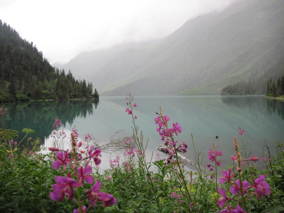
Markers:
point(242, 43)
point(25, 74)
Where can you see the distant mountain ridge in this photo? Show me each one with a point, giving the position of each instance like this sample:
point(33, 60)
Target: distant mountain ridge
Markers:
point(242, 43)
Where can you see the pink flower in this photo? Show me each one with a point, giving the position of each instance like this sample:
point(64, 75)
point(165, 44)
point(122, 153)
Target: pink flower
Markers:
point(84, 174)
point(226, 210)
point(94, 196)
point(130, 152)
point(262, 188)
point(81, 209)
point(223, 198)
point(212, 156)
point(253, 158)
point(162, 120)
point(241, 131)
point(127, 140)
point(227, 176)
point(134, 105)
point(75, 133)
point(238, 209)
point(176, 128)
point(53, 149)
point(62, 160)
point(127, 166)
point(234, 157)
point(129, 111)
point(114, 163)
point(57, 123)
point(88, 137)
point(95, 154)
point(210, 167)
point(80, 144)
point(230, 209)
point(236, 187)
point(63, 188)
point(182, 148)
point(175, 195)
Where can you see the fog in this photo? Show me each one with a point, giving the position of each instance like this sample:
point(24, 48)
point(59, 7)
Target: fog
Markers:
point(63, 29)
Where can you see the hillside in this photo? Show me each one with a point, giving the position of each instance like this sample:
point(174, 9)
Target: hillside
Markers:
point(25, 74)
point(242, 43)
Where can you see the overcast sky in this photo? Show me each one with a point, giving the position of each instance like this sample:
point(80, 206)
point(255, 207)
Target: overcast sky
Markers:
point(61, 29)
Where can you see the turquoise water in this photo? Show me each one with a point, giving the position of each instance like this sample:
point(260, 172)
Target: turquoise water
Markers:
point(205, 117)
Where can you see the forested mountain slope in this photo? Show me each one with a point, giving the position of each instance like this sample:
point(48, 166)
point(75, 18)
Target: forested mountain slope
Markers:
point(25, 74)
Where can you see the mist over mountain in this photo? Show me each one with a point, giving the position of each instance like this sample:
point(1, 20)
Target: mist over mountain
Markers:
point(242, 43)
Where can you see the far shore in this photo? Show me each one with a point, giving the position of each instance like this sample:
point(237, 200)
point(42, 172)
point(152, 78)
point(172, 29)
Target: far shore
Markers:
point(279, 98)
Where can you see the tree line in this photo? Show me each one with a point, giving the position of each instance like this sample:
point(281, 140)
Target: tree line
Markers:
point(25, 74)
point(275, 87)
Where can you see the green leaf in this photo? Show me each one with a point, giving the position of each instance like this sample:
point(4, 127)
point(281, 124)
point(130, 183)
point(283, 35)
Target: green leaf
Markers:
point(28, 131)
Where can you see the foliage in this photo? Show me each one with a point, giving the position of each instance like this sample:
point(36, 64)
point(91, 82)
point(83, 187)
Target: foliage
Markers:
point(25, 74)
point(25, 181)
point(275, 87)
point(67, 180)
point(241, 88)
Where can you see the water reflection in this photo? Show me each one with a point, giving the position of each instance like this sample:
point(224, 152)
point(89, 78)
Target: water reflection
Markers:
point(276, 106)
point(204, 117)
point(256, 104)
point(40, 116)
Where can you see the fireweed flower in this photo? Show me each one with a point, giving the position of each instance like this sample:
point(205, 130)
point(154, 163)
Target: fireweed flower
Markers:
point(262, 188)
point(230, 209)
point(182, 148)
point(212, 156)
point(176, 128)
point(227, 176)
point(234, 157)
point(236, 187)
point(94, 196)
point(64, 187)
point(75, 133)
point(95, 154)
point(80, 144)
point(53, 149)
point(127, 166)
point(127, 140)
point(115, 162)
point(129, 111)
point(81, 209)
point(239, 209)
point(210, 167)
point(241, 131)
point(130, 152)
point(88, 137)
point(167, 135)
point(223, 198)
point(175, 195)
point(62, 159)
point(253, 158)
point(85, 174)
point(57, 123)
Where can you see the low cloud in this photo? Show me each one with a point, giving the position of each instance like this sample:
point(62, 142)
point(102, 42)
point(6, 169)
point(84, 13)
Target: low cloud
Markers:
point(63, 29)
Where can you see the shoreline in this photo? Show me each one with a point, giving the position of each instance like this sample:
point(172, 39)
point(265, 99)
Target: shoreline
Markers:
point(50, 100)
point(278, 98)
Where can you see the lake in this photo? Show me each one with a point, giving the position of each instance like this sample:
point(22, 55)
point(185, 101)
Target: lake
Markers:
point(204, 117)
